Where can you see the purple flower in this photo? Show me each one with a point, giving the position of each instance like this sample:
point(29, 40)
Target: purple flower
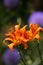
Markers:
point(36, 17)
point(11, 57)
point(11, 3)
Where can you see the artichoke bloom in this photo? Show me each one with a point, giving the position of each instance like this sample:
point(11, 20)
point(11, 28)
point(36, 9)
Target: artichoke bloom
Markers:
point(22, 36)
point(11, 3)
point(36, 18)
point(11, 57)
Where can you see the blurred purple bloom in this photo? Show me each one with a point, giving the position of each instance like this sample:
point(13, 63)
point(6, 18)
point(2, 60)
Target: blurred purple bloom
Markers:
point(11, 57)
point(36, 17)
point(11, 3)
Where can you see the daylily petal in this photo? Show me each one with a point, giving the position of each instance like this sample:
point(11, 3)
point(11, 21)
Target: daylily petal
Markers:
point(23, 28)
point(11, 34)
point(17, 27)
point(38, 29)
point(33, 27)
point(6, 39)
point(11, 46)
point(24, 39)
point(37, 37)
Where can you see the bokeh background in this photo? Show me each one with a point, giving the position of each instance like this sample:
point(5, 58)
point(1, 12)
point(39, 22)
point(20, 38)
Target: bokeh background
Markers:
point(18, 11)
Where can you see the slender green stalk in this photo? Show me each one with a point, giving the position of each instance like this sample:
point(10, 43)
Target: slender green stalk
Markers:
point(39, 53)
point(22, 57)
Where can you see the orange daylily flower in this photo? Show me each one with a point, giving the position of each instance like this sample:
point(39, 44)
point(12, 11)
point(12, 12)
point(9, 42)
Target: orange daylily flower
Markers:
point(16, 37)
point(34, 31)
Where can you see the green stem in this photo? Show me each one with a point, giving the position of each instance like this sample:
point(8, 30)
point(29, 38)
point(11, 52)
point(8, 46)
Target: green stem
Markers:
point(22, 57)
point(39, 53)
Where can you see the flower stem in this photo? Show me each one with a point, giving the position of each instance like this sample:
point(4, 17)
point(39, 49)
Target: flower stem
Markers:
point(22, 57)
point(39, 53)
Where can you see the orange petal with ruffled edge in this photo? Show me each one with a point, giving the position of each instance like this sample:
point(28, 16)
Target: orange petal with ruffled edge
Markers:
point(11, 46)
point(23, 32)
point(7, 39)
point(10, 34)
point(17, 27)
point(23, 28)
point(24, 39)
point(33, 27)
point(38, 29)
